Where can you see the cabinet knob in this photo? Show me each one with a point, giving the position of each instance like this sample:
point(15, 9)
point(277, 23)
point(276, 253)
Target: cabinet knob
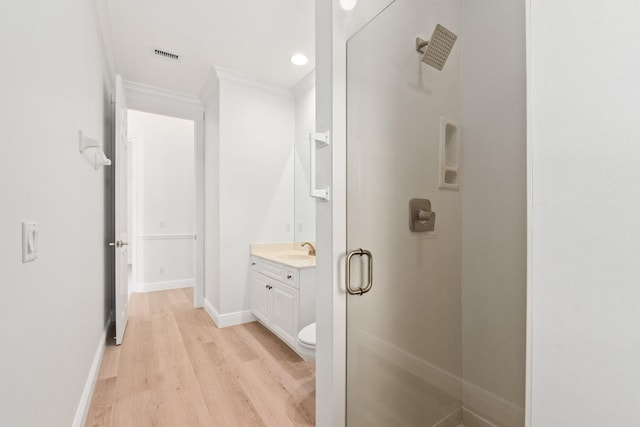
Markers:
point(253, 263)
point(269, 287)
point(289, 276)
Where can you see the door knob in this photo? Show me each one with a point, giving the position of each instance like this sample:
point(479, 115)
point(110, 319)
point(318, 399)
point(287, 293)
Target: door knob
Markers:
point(119, 243)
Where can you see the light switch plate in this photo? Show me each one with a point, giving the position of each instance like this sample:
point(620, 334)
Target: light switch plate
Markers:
point(30, 236)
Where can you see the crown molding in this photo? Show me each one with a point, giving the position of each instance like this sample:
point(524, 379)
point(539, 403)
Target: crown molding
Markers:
point(103, 28)
point(234, 77)
point(145, 89)
point(307, 83)
point(210, 88)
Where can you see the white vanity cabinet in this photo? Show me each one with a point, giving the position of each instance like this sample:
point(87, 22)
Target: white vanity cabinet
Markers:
point(283, 297)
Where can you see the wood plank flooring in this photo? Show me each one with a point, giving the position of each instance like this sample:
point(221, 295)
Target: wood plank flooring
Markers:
point(176, 368)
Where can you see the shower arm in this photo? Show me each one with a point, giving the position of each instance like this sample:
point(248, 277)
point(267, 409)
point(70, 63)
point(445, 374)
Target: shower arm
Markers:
point(421, 45)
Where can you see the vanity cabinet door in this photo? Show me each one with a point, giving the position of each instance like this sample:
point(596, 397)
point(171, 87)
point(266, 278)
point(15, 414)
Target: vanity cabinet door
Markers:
point(260, 294)
point(284, 313)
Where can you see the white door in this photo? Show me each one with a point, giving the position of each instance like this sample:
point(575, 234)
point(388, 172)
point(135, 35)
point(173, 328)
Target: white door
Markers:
point(120, 242)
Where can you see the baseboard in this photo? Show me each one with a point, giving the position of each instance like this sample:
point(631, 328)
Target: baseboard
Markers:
point(165, 286)
point(454, 419)
point(85, 399)
point(471, 419)
point(490, 408)
point(228, 319)
point(442, 379)
point(485, 408)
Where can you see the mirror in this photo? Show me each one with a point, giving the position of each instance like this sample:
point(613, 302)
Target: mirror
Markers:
point(304, 205)
point(304, 212)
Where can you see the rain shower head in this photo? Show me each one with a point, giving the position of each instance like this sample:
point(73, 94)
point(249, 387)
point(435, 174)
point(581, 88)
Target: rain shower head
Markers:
point(436, 51)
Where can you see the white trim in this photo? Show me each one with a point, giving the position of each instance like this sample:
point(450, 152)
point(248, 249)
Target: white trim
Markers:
point(165, 286)
point(478, 421)
point(503, 412)
point(166, 237)
point(229, 319)
point(454, 419)
point(307, 83)
point(103, 27)
point(528, 419)
point(92, 377)
point(210, 88)
point(233, 77)
point(199, 187)
point(143, 89)
point(475, 398)
point(442, 379)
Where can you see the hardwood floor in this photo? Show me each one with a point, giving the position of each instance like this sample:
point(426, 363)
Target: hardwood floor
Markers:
point(176, 368)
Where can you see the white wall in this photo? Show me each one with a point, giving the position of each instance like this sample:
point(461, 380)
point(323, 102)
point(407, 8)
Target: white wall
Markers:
point(583, 93)
point(256, 125)
point(305, 205)
point(494, 209)
point(52, 311)
point(165, 203)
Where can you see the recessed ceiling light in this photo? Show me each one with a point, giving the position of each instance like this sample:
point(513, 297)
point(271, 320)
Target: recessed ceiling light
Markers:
point(348, 4)
point(299, 59)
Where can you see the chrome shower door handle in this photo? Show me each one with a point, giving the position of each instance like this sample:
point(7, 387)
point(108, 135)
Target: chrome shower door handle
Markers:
point(361, 290)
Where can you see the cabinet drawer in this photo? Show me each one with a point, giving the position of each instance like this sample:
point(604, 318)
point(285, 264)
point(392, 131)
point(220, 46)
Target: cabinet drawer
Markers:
point(272, 269)
point(282, 273)
point(291, 277)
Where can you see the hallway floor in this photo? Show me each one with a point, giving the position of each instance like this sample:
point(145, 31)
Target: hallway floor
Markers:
point(176, 368)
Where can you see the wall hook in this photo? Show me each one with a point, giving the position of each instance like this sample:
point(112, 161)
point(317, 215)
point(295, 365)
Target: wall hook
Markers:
point(92, 151)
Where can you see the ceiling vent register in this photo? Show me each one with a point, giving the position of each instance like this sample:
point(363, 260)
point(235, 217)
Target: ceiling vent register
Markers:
point(166, 54)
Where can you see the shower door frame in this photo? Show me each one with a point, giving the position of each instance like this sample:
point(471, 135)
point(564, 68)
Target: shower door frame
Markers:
point(334, 27)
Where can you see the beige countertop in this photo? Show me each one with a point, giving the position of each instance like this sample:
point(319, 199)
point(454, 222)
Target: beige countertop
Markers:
point(290, 254)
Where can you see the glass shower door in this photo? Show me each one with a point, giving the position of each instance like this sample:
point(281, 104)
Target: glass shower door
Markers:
point(404, 334)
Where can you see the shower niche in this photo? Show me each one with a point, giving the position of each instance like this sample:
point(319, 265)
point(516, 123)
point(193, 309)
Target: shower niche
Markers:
point(449, 155)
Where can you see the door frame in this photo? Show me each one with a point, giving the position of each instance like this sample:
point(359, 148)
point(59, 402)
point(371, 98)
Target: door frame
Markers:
point(334, 27)
point(165, 102)
point(120, 209)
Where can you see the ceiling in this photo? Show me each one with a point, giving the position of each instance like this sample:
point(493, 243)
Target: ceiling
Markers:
point(255, 38)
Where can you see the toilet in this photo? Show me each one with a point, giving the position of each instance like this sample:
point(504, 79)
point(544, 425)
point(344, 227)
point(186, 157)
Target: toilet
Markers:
point(306, 342)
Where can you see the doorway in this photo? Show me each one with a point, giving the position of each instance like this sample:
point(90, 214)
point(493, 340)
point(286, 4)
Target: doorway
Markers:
point(162, 200)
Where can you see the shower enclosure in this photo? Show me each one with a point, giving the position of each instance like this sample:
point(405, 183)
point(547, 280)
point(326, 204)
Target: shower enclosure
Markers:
point(435, 221)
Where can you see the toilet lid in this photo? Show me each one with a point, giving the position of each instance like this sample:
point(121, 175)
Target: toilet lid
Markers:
point(308, 335)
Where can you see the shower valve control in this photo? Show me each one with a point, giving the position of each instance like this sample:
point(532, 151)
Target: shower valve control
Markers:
point(421, 218)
